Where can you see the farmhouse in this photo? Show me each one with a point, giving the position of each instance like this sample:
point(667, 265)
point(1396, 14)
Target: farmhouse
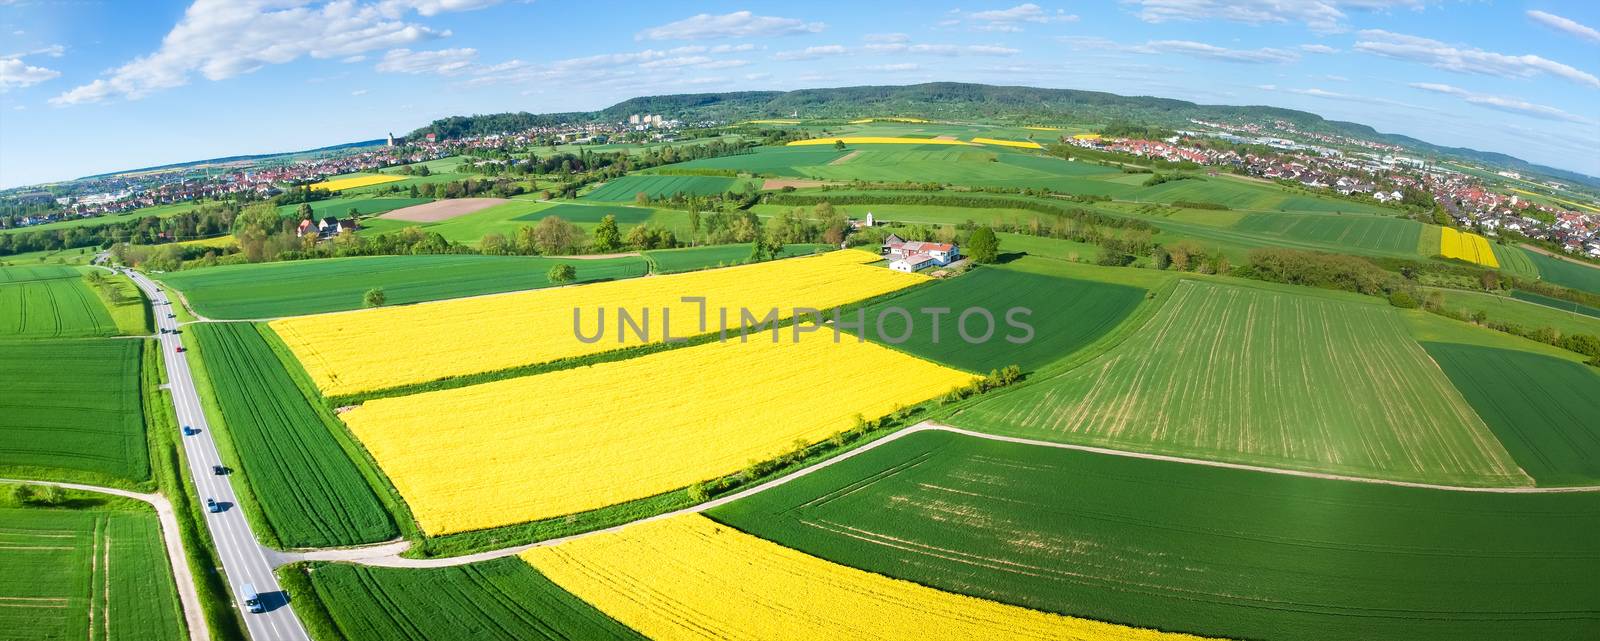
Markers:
point(326, 228)
point(910, 256)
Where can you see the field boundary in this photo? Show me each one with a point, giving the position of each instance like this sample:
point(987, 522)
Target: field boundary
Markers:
point(382, 557)
point(177, 559)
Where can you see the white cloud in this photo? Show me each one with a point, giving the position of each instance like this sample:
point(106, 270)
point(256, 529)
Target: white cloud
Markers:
point(739, 24)
point(723, 64)
point(1566, 25)
point(442, 61)
point(1319, 15)
point(16, 74)
point(1324, 49)
point(1467, 60)
point(1010, 20)
point(220, 39)
point(704, 81)
point(898, 66)
point(760, 75)
point(54, 51)
point(359, 92)
point(353, 59)
point(886, 37)
point(435, 7)
point(943, 49)
point(1502, 103)
point(1203, 50)
point(812, 53)
point(738, 48)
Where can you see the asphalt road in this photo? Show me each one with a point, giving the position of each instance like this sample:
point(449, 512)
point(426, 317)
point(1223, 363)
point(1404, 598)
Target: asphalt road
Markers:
point(244, 559)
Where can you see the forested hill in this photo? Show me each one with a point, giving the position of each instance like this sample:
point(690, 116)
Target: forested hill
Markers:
point(965, 101)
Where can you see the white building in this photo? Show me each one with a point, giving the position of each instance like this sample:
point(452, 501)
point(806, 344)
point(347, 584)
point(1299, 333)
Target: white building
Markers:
point(910, 256)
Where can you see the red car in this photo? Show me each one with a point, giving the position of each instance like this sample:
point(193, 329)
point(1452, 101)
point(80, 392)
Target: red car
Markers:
point(180, 348)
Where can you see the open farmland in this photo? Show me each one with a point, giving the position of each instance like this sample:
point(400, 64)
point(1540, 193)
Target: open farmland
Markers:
point(877, 140)
point(779, 161)
point(1533, 313)
point(50, 302)
point(535, 447)
point(684, 259)
point(1064, 314)
point(354, 181)
point(1466, 246)
point(1515, 261)
point(440, 210)
point(1375, 233)
point(1567, 305)
point(1207, 550)
point(1266, 377)
point(307, 486)
point(499, 600)
point(1253, 196)
point(688, 577)
point(1543, 409)
point(431, 341)
point(340, 207)
point(1565, 272)
point(71, 410)
point(575, 213)
point(97, 574)
point(627, 188)
point(279, 289)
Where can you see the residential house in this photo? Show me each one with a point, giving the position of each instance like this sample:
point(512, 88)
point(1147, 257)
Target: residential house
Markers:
point(910, 256)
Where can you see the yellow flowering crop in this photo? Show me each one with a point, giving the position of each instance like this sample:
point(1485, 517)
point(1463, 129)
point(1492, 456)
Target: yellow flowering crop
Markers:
point(348, 352)
point(540, 446)
point(1043, 128)
point(354, 182)
point(862, 121)
point(877, 140)
point(1467, 246)
point(688, 577)
point(1024, 144)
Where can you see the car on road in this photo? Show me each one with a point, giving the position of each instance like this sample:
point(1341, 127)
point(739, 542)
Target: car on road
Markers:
point(180, 349)
point(171, 315)
point(213, 506)
point(219, 470)
point(190, 431)
point(252, 600)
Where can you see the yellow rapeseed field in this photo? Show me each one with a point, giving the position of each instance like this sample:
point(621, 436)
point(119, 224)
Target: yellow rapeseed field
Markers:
point(354, 182)
point(877, 140)
point(1024, 144)
point(568, 441)
point(1467, 246)
point(862, 121)
point(1086, 136)
point(688, 577)
point(349, 352)
point(1041, 128)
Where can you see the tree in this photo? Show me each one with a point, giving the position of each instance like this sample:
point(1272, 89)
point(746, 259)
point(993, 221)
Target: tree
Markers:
point(305, 212)
point(554, 236)
point(983, 246)
point(562, 273)
point(607, 237)
point(374, 297)
point(494, 245)
point(838, 145)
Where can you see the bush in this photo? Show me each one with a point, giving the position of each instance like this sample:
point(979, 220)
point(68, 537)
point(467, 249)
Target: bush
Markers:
point(1402, 299)
point(374, 297)
point(983, 246)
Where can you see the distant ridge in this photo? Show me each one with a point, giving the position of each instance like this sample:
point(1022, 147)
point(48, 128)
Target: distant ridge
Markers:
point(966, 101)
point(227, 159)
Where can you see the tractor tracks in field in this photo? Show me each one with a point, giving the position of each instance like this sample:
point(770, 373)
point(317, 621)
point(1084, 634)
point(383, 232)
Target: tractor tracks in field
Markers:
point(390, 554)
point(188, 596)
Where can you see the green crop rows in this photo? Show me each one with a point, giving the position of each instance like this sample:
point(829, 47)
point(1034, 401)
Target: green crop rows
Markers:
point(49, 302)
point(71, 410)
point(1390, 235)
point(626, 188)
point(1557, 303)
point(1544, 409)
point(307, 486)
point(1565, 272)
point(1261, 377)
point(590, 213)
point(324, 285)
point(504, 599)
point(1064, 314)
point(1199, 549)
point(85, 574)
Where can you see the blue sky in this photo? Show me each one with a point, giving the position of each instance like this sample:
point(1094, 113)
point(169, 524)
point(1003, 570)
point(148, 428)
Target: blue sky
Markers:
point(88, 87)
